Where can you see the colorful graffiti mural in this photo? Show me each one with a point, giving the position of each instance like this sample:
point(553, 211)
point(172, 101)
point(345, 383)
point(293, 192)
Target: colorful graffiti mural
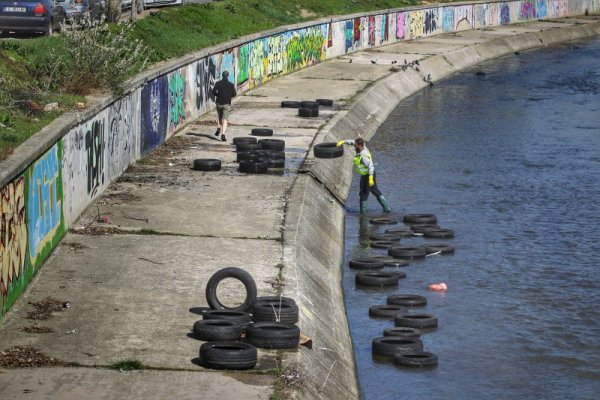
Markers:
point(39, 204)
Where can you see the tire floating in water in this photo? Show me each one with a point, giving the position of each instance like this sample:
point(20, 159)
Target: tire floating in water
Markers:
point(403, 331)
point(442, 248)
point(383, 221)
point(439, 233)
point(390, 345)
point(376, 278)
point(419, 321)
point(385, 311)
point(420, 219)
point(366, 263)
point(416, 359)
point(407, 300)
point(407, 252)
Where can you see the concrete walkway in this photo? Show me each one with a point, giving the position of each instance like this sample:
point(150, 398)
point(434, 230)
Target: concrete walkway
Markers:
point(135, 282)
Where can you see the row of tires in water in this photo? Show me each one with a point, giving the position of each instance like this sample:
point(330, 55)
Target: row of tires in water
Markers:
point(233, 334)
point(401, 343)
point(258, 156)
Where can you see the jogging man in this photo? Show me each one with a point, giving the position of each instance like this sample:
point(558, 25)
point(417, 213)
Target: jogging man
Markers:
point(363, 165)
point(223, 91)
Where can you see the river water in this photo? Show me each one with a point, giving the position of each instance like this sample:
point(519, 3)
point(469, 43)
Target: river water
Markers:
point(510, 160)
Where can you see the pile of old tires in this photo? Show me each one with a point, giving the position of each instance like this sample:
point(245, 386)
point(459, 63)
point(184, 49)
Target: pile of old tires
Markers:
point(401, 343)
point(258, 156)
point(233, 334)
point(307, 108)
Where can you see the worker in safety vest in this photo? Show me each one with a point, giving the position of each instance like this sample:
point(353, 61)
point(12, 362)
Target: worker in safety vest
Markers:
point(363, 165)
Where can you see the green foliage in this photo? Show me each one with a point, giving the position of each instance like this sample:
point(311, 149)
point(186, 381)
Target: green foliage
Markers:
point(127, 365)
point(101, 57)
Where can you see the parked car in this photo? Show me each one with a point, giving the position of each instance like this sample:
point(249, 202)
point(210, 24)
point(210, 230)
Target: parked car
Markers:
point(31, 16)
point(83, 12)
point(143, 4)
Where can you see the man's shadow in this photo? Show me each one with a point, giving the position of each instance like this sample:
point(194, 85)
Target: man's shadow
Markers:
point(204, 135)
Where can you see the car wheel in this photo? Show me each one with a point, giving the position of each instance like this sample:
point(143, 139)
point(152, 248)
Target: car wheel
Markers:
point(49, 29)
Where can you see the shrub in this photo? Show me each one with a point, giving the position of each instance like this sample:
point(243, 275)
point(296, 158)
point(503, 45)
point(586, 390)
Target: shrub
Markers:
point(94, 58)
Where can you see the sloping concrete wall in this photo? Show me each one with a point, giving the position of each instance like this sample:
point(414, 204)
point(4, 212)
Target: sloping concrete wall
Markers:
point(313, 229)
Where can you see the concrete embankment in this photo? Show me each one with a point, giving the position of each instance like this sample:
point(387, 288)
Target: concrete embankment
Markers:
point(134, 265)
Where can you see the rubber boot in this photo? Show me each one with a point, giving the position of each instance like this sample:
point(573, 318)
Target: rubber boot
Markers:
point(384, 204)
point(363, 207)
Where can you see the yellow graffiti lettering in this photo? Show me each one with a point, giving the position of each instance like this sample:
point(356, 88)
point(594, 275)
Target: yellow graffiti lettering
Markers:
point(13, 233)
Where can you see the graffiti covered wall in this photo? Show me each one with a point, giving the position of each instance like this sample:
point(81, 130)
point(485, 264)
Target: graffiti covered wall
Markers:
point(47, 197)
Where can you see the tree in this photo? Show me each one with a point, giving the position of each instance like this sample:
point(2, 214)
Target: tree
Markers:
point(113, 10)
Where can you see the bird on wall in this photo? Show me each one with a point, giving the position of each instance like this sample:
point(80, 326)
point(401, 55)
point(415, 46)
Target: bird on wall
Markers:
point(373, 61)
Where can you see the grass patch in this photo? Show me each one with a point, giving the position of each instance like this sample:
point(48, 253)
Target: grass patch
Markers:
point(127, 365)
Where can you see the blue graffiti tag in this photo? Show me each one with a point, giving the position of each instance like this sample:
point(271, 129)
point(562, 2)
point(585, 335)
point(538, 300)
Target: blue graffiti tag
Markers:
point(504, 14)
point(448, 20)
point(43, 205)
point(349, 31)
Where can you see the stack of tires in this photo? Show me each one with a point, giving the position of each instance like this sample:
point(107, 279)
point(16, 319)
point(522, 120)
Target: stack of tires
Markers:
point(401, 343)
point(258, 156)
point(307, 108)
point(233, 334)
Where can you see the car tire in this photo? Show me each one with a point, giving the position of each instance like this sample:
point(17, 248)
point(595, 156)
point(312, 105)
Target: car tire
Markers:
point(420, 219)
point(385, 311)
point(325, 102)
point(309, 104)
point(207, 164)
point(390, 345)
point(399, 232)
point(228, 355)
point(235, 273)
point(308, 112)
point(383, 221)
point(419, 321)
point(366, 263)
point(262, 132)
point(276, 163)
point(382, 244)
point(439, 233)
point(420, 228)
point(403, 331)
point(245, 139)
point(260, 166)
point(443, 248)
point(385, 236)
point(272, 144)
point(290, 104)
point(416, 359)
point(377, 278)
point(217, 329)
point(239, 317)
point(407, 252)
point(274, 312)
point(273, 335)
point(407, 300)
point(328, 150)
point(247, 147)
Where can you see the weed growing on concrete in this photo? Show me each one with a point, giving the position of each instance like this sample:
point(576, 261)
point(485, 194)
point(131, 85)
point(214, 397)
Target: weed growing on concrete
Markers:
point(127, 365)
